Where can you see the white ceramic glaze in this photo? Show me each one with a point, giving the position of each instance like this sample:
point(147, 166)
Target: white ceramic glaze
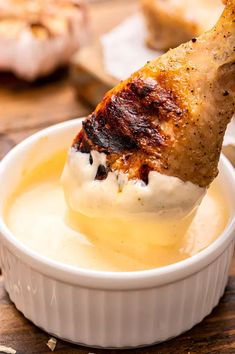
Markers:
point(108, 309)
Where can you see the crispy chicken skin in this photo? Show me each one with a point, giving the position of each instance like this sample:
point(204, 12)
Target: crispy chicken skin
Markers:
point(171, 115)
point(172, 22)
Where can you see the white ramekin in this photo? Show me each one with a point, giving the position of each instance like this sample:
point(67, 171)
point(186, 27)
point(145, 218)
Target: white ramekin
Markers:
point(108, 309)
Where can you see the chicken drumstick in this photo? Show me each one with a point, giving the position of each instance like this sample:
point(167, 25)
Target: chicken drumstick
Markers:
point(170, 116)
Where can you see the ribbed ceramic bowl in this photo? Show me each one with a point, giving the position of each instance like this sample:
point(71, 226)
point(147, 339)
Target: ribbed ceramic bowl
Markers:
point(108, 309)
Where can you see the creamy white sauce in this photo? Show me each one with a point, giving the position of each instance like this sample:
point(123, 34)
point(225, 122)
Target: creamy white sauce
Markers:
point(163, 197)
point(38, 216)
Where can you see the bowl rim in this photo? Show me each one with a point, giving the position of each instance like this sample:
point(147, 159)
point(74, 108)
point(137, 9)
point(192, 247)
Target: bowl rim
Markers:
point(110, 279)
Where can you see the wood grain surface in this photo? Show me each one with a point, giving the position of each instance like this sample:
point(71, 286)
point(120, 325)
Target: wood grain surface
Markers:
point(26, 108)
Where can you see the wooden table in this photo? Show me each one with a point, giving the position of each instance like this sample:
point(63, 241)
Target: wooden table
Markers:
point(27, 108)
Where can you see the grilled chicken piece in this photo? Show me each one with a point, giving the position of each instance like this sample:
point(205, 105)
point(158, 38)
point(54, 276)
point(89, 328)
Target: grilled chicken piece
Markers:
point(172, 22)
point(38, 36)
point(171, 115)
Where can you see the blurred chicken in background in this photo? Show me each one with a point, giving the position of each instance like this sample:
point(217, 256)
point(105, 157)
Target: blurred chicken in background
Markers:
point(38, 36)
point(172, 22)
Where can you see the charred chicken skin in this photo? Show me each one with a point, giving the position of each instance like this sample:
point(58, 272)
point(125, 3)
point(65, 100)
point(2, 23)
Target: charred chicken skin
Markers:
point(171, 115)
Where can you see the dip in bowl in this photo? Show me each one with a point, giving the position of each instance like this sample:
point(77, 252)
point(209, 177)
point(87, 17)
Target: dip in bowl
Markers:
point(110, 284)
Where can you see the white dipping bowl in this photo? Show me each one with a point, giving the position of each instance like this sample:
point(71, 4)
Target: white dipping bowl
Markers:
point(108, 309)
